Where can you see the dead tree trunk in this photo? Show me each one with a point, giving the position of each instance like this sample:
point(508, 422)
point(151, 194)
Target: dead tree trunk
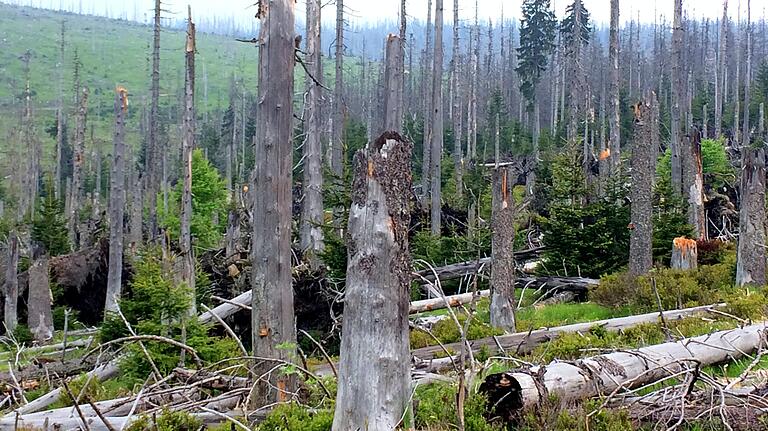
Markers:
point(117, 204)
point(693, 182)
point(187, 275)
point(721, 68)
point(437, 123)
point(78, 158)
point(272, 317)
point(11, 288)
point(585, 378)
point(378, 267)
point(502, 307)
point(337, 128)
point(151, 162)
point(426, 85)
point(393, 87)
point(39, 315)
point(644, 156)
point(750, 264)
point(684, 254)
point(745, 132)
point(677, 97)
point(458, 157)
point(60, 117)
point(312, 213)
point(613, 66)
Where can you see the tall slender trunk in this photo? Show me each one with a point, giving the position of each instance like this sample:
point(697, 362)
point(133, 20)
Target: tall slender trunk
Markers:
point(644, 154)
point(427, 92)
point(745, 132)
point(437, 122)
point(117, 203)
point(737, 86)
point(272, 315)
point(614, 118)
point(11, 287)
point(151, 162)
point(750, 262)
point(502, 307)
point(78, 158)
point(458, 157)
point(312, 213)
point(337, 144)
point(378, 266)
point(721, 67)
point(393, 90)
point(677, 98)
point(187, 275)
point(60, 117)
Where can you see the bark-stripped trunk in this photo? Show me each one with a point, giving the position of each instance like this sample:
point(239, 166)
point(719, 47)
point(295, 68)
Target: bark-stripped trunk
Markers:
point(745, 132)
point(60, 117)
point(11, 287)
point(458, 157)
point(685, 254)
point(644, 154)
point(750, 263)
point(39, 315)
point(187, 275)
point(574, 87)
point(721, 68)
point(78, 158)
point(677, 97)
point(272, 317)
point(693, 182)
point(378, 267)
point(427, 91)
point(312, 212)
point(337, 127)
point(437, 123)
point(393, 86)
point(585, 378)
point(502, 308)
point(614, 117)
point(401, 61)
point(151, 162)
point(117, 203)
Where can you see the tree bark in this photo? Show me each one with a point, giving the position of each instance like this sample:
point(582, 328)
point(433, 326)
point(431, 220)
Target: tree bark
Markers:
point(393, 80)
point(312, 212)
point(39, 315)
point(613, 66)
point(378, 267)
point(720, 81)
point(684, 254)
point(151, 156)
point(750, 263)
point(502, 308)
point(585, 378)
point(745, 132)
point(117, 204)
point(427, 92)
point(693, 182)
point(60, 116)
point(437, 123)
point(458, 157)
point(11, 288)
point(644, 156)
point(272, 317)
point(337, 128)
point(187, 275)
point(676, 82)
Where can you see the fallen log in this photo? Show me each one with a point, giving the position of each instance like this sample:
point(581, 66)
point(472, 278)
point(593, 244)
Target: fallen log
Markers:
point(524, 342)
point(458, 270)
point(44, 366)
point(73, 422)
point(438, 303)
point(514, 390)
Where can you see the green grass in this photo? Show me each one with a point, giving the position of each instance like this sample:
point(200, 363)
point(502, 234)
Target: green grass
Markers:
point(565, 314)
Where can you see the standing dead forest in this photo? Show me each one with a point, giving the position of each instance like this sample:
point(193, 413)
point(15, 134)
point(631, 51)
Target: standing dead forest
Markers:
point(311, 215)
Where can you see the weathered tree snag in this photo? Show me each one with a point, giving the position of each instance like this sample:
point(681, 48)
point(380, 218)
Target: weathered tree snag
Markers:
point(78, 158)
point(684, 254)
point(502, 308)
point(436, 143)
point(426, 94)
point(151, 162)
point(272, 315)
point(117, 203)
point(312, 211)
point(337, 126)
point(393, 85)
point(458, 157)
point(378, 267)
point(693, 182)
point(745, 131)
point(644, 154)
point(39, 315)
point(676, 81)
point(721, 68)
point(11, 288)
point(613, 73)
point(750, 263)
point(585, 378)
point(187, 275)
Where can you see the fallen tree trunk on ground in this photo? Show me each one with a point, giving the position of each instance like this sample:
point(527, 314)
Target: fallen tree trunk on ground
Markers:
point(524, 342)
point(608, 374)
point(458, 270)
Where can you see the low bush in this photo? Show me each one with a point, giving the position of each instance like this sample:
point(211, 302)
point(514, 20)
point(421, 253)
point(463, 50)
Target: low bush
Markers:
point(293, 417)
point(166, 421)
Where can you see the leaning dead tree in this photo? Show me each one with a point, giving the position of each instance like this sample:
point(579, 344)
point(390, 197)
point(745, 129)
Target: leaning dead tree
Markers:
point(750, 263)
point(117, 203)
point(644, 154)
point(11, 286)
point(378, 267)
point(502, 308)
point(614, 373)
point(312, 212)
point(187, 275)
point(272, 316)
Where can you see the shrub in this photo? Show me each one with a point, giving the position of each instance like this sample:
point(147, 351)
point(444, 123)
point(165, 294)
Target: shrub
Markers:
point(167, 421)
point(49, 228)
point(436, 409)
point(293, 417)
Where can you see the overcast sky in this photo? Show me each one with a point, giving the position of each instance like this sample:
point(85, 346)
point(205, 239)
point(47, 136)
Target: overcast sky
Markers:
point(383, 10)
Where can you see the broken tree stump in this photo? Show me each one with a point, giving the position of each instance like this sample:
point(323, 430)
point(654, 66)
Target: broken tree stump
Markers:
point(684, 254)
point(378, 291)
point(502, 307)
point(39, 314)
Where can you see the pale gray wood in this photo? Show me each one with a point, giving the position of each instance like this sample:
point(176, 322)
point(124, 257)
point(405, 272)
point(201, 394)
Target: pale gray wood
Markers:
point(750, 263)
point(684, 254)
point(721, 68)
point(39, 315)
point(393, 89)
point(377, 292)
point(152, 155)
point(502, 306)
point(272, 316)
point(676, 83)
point(337, 127)
point(78, 158)
point(11, 286)
point(614, 118)
point(187, 275)
point(436, 142)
